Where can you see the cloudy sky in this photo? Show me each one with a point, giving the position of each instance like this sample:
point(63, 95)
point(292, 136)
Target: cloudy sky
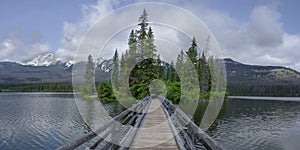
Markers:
point(264, 32)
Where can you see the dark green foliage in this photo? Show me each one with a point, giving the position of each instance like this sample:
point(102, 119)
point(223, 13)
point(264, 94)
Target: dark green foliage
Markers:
point(263, 89)
point(140, 90)
point(146, 72)
point(38, 87)
point(192, 52)
point(105, 92)
point(173, 91)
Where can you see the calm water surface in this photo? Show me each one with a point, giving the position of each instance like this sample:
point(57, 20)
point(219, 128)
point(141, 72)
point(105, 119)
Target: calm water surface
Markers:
point(49, 120)
point(258, 124)
point(40, 120)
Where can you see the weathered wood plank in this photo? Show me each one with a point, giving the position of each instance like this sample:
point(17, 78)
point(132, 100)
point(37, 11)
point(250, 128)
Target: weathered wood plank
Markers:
point(155, 131)
point(128, 139)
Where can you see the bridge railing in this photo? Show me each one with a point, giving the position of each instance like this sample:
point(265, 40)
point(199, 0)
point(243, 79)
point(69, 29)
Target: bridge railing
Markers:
point(118, 131)
point(187, 134)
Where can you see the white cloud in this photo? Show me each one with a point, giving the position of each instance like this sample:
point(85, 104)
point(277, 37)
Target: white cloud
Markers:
point(74, 32)
point(15, 48)
point(265, 26)
point(260, 40)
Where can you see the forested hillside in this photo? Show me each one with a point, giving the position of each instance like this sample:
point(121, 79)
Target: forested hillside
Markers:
point(252, 80)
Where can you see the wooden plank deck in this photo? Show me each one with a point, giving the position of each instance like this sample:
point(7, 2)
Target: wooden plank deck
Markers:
point(155, 131)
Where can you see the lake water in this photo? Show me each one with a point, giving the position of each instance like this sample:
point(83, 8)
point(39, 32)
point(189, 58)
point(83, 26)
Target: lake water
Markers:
point(50, 120)
point(40, 120)
point(249, 123)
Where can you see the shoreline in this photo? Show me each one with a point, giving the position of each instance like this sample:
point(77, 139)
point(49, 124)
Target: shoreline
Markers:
point(265, 98)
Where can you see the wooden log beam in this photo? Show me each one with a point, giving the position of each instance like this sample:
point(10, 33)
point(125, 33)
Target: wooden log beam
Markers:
point(105, 126)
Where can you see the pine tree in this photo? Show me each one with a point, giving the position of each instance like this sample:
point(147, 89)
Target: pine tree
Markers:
point(87, 89)
point(160, 69)
point(143, 25)
point(171, 74)
point(123, 71)
point(142, 35)
point(89, 73)
point(192, 52)
point(192, 65)
point(115, 70)
point(148, 62)
point(204, 87)
point(168, 73)
point(150, 50)
point(122, 93)
point(132, 43)
point(133, 54)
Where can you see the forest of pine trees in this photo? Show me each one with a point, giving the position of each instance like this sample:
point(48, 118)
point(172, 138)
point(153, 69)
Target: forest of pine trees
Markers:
point(38, 87)
point(141, 64)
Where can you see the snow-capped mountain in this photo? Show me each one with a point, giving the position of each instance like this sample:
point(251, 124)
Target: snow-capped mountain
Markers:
point(104, 64)
point(69, 63)
point(49, 59)
point(43, 60)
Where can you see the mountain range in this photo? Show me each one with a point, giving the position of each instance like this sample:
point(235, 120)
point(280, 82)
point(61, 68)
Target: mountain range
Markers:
point(254, 80)
point(254, 74)
point(47, 69)
point(241, 78)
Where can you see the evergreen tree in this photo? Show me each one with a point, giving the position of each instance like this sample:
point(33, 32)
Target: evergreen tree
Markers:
point(89, 73)
point(192, 52)
point(143, 25)
point(133, 54)
point(132, 43)
point(180, 61)
point(115, 70)
point(191, 66)
point(171, 74)
point(160, 69)
point(204, 85)
point(150, 49)
point(123, 71)
point(148, 63)
point(142, 36)
point(87, 89)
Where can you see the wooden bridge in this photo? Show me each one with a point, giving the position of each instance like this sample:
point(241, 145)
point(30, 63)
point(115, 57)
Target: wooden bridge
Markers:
point(153, 123)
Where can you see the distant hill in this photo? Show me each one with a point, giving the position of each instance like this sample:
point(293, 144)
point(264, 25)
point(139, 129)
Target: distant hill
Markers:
point(241, 73)
point(15, 73)
point(256, 80)
point(242, 79)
